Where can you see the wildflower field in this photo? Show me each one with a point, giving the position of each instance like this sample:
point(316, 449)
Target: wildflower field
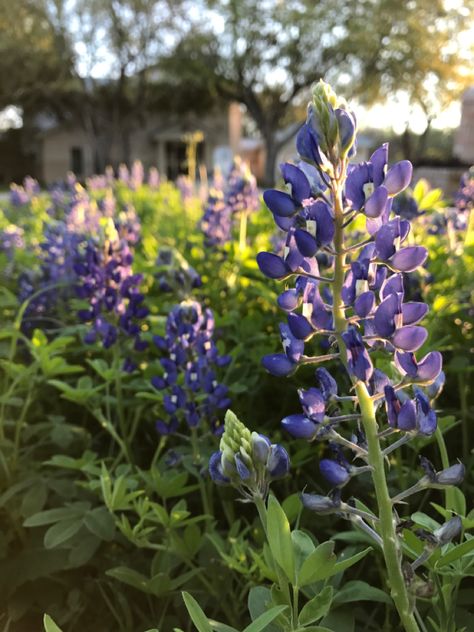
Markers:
point(228, 410)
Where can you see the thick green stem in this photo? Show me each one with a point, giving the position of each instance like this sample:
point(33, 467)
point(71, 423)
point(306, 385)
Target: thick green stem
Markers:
point(387, 526)
point(202, 485)
point(390, 543)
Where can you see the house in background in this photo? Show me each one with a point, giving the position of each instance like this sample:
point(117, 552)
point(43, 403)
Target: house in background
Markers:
point(158, 143)
point(464, 140)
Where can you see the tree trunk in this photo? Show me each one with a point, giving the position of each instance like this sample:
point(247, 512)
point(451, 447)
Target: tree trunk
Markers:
point(271, 153)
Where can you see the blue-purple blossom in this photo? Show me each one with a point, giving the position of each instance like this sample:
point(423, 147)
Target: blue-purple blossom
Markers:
point(247, 460)
point(189, 368)
point(362, 312)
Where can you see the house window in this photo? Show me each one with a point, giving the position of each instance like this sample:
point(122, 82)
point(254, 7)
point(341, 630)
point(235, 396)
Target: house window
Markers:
point(77, 161)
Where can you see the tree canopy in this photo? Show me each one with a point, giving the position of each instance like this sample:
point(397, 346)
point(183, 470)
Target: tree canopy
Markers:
point(105, 63)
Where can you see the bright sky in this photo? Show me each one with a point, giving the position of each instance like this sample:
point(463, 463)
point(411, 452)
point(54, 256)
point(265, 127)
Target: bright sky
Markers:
point(396, 113)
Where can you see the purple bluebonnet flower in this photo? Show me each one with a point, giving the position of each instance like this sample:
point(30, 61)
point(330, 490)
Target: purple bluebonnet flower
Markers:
point(153, 178)
point(247, 460)
point(185, 187)
point(241, 192)
point(137, 175)
point(105, 281)
point(22, 195)
point(11, 239)
point(189, 379)
point(175, 274)
point(216, 223)
point(358, 305)
point(228, 199)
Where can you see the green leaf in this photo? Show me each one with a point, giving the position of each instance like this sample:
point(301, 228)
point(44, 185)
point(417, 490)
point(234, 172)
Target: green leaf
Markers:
point(425, 521)
point(360, 591)
point(279, 538)
point(264, 619)
point(303, 546)
point(260, 601)
point(130, 577)
point(217, 626)
point(61, 532)
point(342, 565)
point(318, 565)
point(292, 506)
point(49, 625)
point(54, 515)
point(197, 615)
point(101, 523)
point(457, 552)
point(317, 607)
point(313, 628)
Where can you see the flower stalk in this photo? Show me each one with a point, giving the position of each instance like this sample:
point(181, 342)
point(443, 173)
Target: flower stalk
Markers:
point(375, 457)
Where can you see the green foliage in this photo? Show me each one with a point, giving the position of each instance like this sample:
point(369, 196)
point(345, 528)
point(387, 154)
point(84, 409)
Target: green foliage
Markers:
point(104, 523)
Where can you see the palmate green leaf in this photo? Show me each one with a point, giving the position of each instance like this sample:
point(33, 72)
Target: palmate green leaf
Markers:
point(360, 591)
point(317, 607)
point(459, 551)
point(342, 565)
point(264, 619)
point(50, 516)
point(303, 546)
point(49, 625)
point(318, 565)
point(279, 538)
point(61, 532)
point(101, 523)
point(195, 612)
point(130, 577)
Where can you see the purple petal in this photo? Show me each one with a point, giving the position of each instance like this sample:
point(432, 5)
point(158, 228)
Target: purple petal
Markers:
point(384, 317)
point(293, 347)
point(430, 366)
point(407, 416)
point(289, 300)
point(394, 284)
point(406, 363)
point(279, 203)
point(364, 304)
point(384, 241)
point(313, 403)
point(398, 177)
point(299, 426)
point(215, 469)
point(356, 179)
point(300, 327)
point(278, 364)
point(375, 205)
point(272, 265)
point(278, 464)
point(306, 243)
point(409, 258)
point(333, 472)
point(426, 416)
point(327, 383)
point(409, 338)
point(379, 161)
point(307, 144)
point(300, 187)
point(413, 312)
